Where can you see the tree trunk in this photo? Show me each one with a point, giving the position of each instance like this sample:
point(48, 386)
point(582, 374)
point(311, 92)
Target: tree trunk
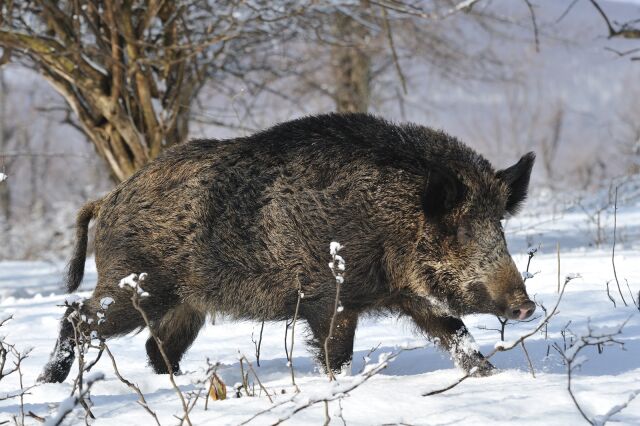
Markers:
point(5, 192)
point(351, 65)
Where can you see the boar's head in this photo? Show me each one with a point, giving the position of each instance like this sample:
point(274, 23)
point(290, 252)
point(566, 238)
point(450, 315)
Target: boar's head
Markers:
point(461, 252)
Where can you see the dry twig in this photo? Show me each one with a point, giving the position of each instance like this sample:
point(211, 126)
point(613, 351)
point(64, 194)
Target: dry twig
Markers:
point(598, 338)
point(134, 281)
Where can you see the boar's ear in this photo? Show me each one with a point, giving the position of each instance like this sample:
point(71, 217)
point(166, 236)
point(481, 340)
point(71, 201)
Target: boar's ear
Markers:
point(517, 179)
point(442, 192)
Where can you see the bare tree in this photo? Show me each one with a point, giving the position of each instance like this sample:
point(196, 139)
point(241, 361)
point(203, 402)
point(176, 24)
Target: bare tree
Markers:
point(130, 69)
point(351, 63)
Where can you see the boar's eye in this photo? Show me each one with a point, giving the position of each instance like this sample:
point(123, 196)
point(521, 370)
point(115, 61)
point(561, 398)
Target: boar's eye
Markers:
point(443, 191)
point(517, 179)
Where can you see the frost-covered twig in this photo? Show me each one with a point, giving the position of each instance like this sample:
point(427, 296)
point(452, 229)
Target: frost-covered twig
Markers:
point(69, 404)
point(507, 346)
point(595, 337)
point(367, 357)
point(337, 266)
point(134, 281)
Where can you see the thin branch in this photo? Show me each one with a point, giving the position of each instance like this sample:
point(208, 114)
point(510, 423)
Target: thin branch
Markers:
point(612, 32)
point(394, 54)
point(534, 23)
point(625, 30)
point(635, 303)
point(293, 335)
point(609, 295)
point(258, 344)
point(141, 399)
point(242, 357)
point(524, 348)
point(613, 249)
point(622, 53)
point(566, 12)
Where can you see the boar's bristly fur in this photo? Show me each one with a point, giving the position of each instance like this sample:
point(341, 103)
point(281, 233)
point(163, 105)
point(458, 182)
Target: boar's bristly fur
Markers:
point(235, 226)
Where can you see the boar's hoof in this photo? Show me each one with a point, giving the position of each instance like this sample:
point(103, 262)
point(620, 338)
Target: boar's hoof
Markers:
point(476, 365)
point(53, 374)
point(483, 369)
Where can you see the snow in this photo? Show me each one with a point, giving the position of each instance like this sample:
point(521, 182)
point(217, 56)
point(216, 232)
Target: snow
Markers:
point(526, 275)
point(133, 281)
point(408, 365)
point(3, 177)
point(334, 248)
point(105, 302)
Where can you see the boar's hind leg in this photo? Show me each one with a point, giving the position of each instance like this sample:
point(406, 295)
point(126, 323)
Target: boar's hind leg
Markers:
point(452, 335)
point(119, 319)
point(341, 343)
point(57, 369)
point(176, 330)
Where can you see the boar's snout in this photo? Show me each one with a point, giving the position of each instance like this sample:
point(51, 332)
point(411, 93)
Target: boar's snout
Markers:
point(521, 312)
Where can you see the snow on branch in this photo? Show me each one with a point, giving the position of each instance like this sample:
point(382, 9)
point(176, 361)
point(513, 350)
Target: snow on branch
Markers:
point(68, 405)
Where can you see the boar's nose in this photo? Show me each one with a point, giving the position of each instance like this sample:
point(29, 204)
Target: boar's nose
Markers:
point(521, 312)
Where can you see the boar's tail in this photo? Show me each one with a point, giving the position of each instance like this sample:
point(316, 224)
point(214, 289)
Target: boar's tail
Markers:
point(75, 268)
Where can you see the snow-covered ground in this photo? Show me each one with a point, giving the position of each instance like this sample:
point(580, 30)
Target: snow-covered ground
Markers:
point(30, 291)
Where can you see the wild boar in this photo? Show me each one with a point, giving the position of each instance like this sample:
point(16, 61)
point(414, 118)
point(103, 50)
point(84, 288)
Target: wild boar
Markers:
point(236, 226)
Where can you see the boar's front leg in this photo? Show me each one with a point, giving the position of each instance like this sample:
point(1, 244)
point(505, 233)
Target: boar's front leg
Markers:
point(451, 334)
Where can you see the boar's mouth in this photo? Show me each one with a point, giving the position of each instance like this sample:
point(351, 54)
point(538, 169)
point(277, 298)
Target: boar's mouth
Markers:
point(478, 296)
